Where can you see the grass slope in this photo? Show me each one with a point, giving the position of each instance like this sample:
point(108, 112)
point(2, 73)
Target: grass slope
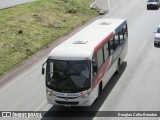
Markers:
point(28, 28)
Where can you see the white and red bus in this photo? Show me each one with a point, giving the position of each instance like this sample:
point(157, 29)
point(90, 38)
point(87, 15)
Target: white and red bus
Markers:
point(78, 69)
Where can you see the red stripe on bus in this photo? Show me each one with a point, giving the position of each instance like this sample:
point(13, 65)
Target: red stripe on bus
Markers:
point(101, 73)
point(102, 42)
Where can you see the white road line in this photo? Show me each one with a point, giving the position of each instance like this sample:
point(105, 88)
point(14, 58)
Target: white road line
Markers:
point(133, 17)
point(142, 46)
point(95, 118)
point(19, 77)
point(41, 105)
point(101, 109)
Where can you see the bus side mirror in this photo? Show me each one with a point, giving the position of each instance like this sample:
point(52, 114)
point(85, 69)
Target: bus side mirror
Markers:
point(94, 69)
point(43, 71)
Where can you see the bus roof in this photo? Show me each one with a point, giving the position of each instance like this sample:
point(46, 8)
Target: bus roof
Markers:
point(83, 44)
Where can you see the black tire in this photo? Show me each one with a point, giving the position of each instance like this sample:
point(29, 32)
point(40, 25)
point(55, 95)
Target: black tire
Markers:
point(99, 91)
point(157, 7)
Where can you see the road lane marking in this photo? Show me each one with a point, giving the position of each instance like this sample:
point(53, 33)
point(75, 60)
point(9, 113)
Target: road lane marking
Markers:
point(41, 105)
point(16, 79)
point(131, 18)
point(142, 46)
point(37, 109)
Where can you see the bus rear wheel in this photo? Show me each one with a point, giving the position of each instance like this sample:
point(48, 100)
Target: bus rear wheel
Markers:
point(100, 89)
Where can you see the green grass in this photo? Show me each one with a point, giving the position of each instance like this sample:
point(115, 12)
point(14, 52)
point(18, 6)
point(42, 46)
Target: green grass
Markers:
point(42, 22)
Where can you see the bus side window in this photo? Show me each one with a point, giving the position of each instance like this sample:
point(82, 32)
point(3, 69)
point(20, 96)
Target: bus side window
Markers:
point(106, 51)
point(121, 34)
point(114, 43)
point(100, 58)
point(111, 46)
point(117, 40)
point(125, 32)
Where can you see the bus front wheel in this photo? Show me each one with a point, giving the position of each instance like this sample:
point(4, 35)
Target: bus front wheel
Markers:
point(99, 90)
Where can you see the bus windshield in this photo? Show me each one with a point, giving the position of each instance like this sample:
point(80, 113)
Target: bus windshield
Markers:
point(68, 76)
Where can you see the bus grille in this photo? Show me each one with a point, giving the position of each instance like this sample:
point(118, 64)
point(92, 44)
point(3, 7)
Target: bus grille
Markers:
point(67, 97)
point(66, 103)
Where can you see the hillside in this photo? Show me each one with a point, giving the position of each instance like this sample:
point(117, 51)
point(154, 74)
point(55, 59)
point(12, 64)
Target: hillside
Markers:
point(26, 29)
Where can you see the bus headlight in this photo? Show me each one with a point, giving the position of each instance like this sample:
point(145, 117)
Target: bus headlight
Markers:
point(85, 95)
point(50, 93)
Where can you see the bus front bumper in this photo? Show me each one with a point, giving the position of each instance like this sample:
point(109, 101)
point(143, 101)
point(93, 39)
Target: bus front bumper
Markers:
point(69, 101)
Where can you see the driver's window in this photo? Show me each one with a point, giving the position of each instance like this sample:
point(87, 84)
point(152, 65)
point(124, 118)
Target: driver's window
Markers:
point(51, 70)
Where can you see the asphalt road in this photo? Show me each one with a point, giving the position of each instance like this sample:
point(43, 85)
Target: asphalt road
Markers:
point(10, 3)
point(135, 88)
